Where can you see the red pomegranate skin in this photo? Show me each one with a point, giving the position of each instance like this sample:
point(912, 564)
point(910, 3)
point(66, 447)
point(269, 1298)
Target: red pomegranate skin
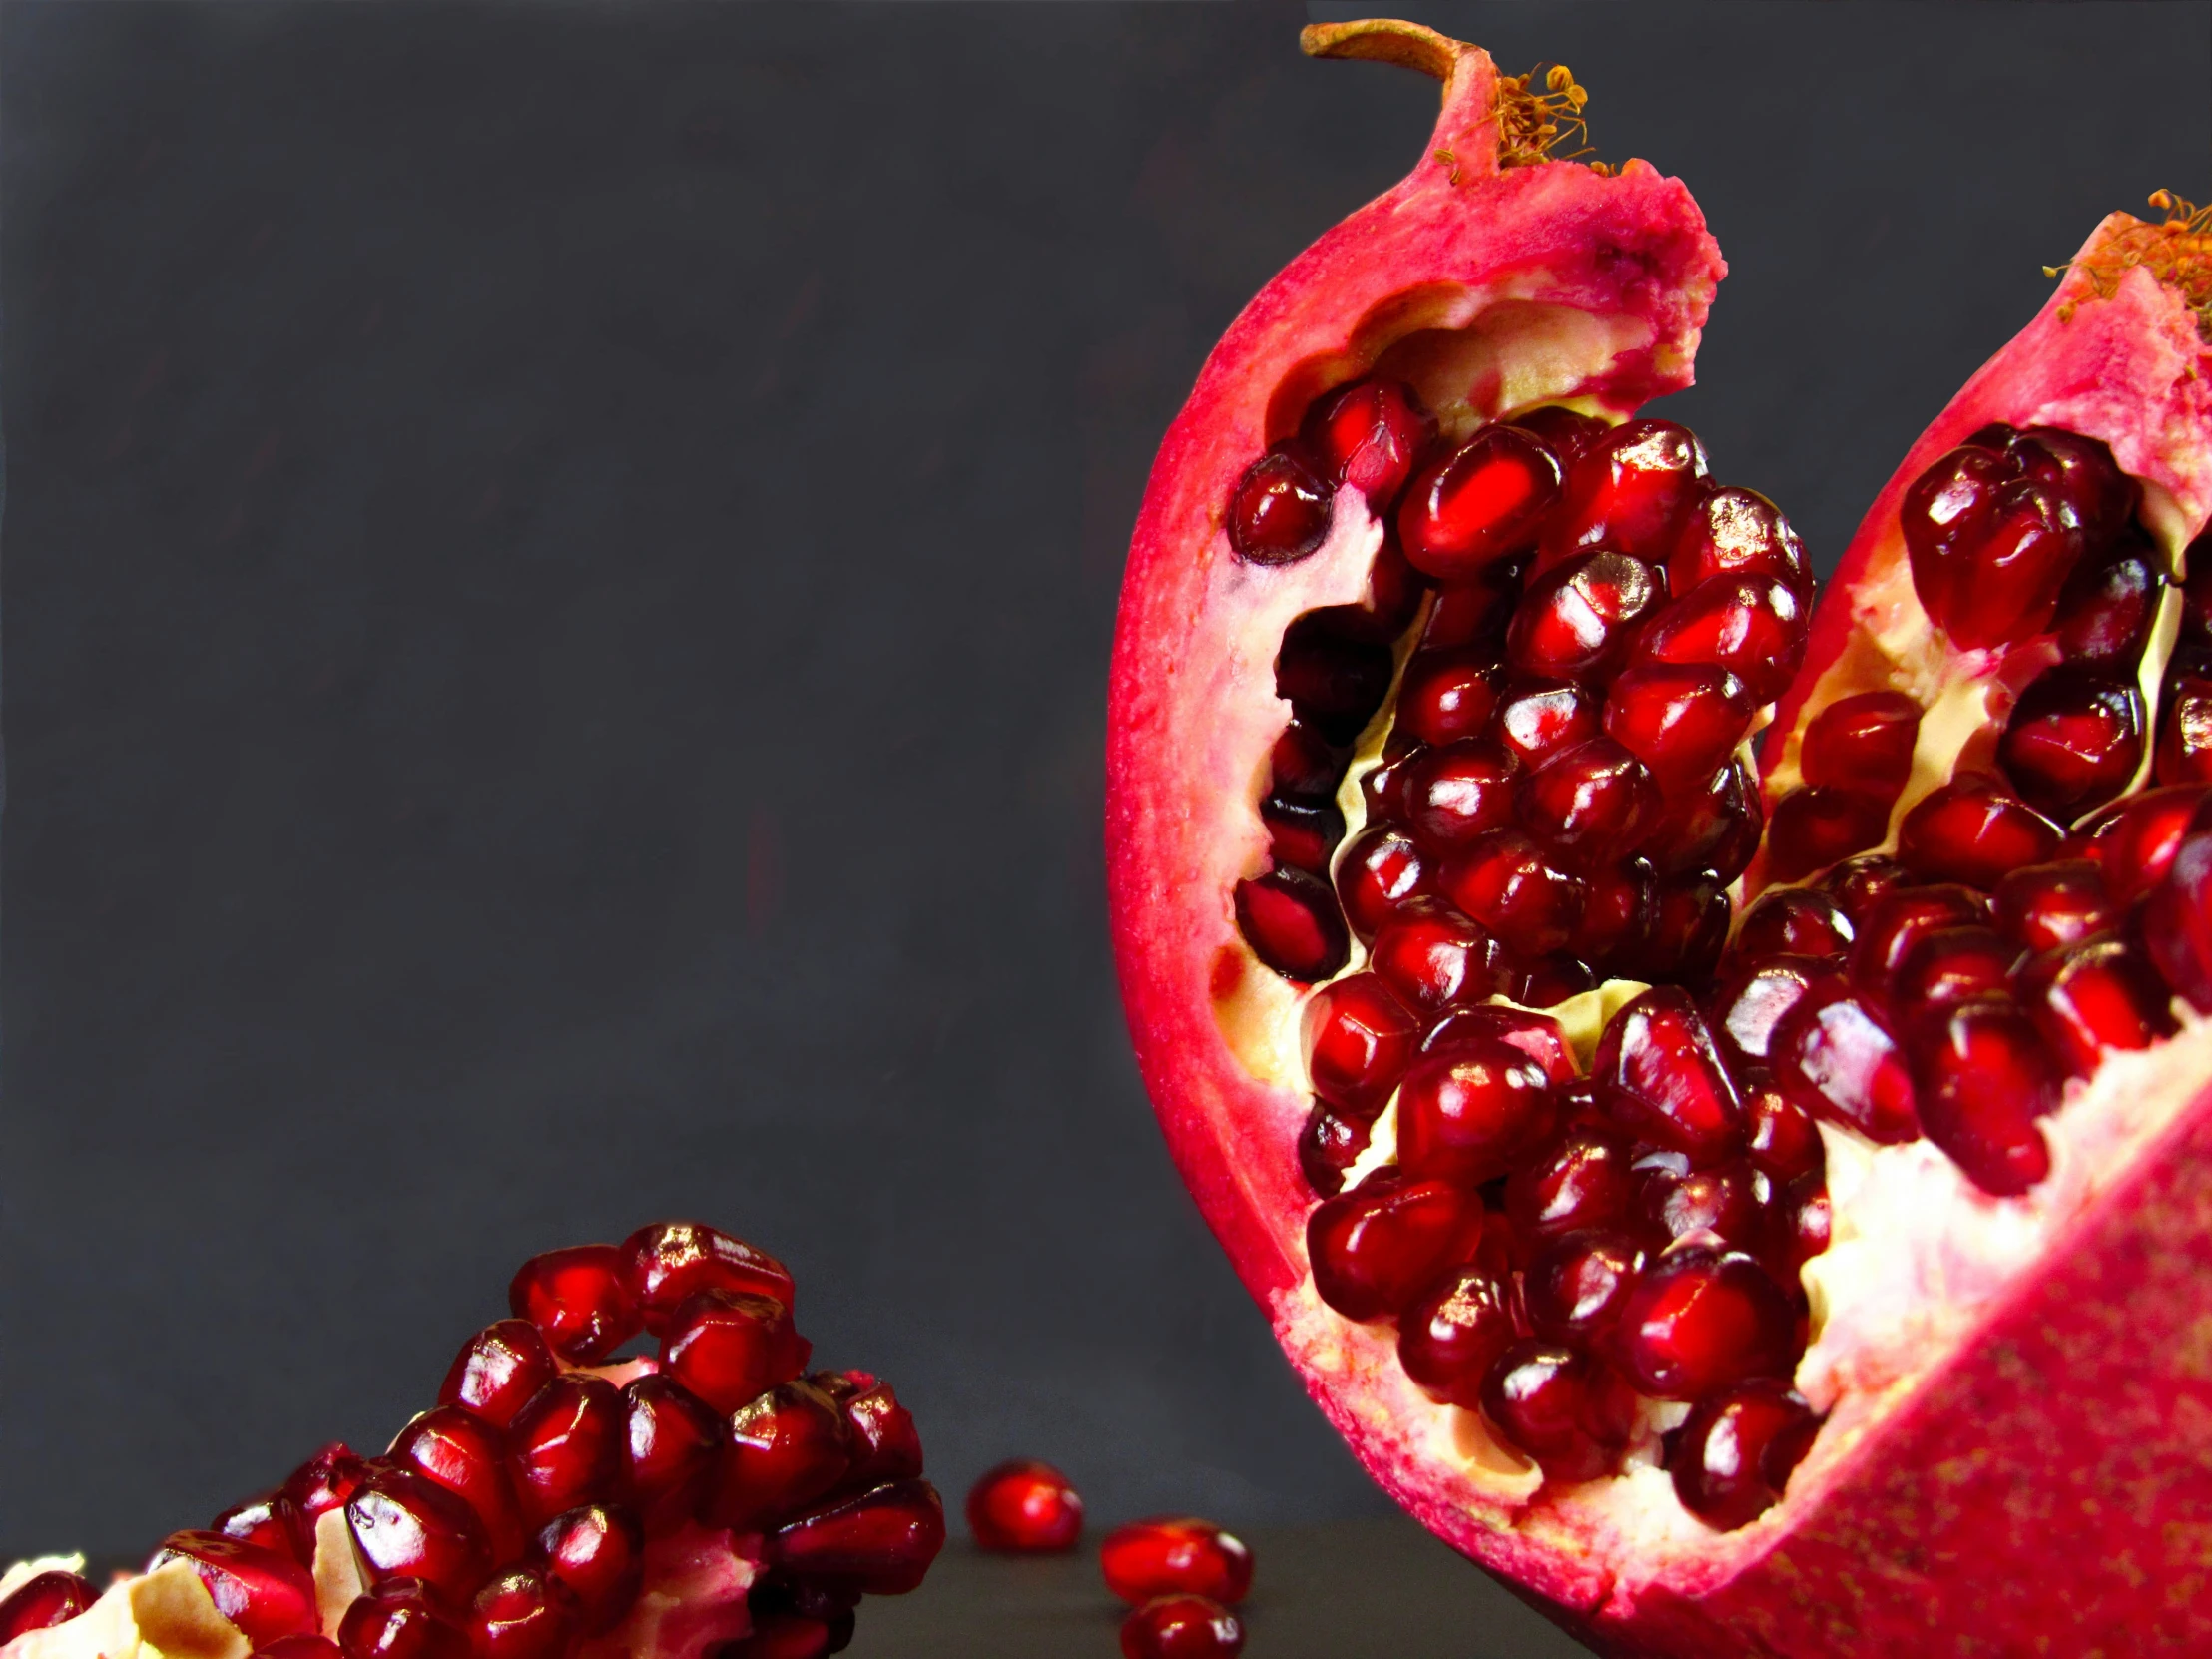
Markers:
point(2074, 1512)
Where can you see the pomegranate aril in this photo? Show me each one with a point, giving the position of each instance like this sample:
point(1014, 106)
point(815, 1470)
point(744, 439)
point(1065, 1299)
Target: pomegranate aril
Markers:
point(401, 1618)
point(1949, 964)
point(1752, 626)
point(671, 1260)
point(1025, 1507)
point(1175, 1556)
point(1381, 875)
point(1806, 1211)
point(326, 1481)
point(1660, 1077)
point(1182, 1627)
point(1712, 827)
point(1591, 804)
point(1382, 786)
point(1577, 1285)
point(1581, 1180)
point(1472, 613)
point(1303, 766)
point(1437, 959)
point(1689, 930)
point(1302, 833)
point(406, 1525)
point(879, 1543)
point(1369, 434)
point(1982, 1078)
point(1578, 619)
point(1570, 433)
point(1837, 1059)
point(1464, 1110)
point(517, 1615)
point(1620, 908)
point(467, 1456)
point(42, 1601)
point(2133, 842)
point(787, 1448)
point(1332, 671)
point(2184, 753)
point(578, 1300)
point(272, 1521)
point(1536, 1035)
point(1793, 921)
point(1860, 884)
point(2047, 905)
point(1681, 722)
point(1537, 719)
point(1357, 1040)
point(567, 1446)
point(1973, 829)
point(1733, 1455)
point(726, 1347)
point(266, 1593)
point(2074, 741)
point(1571, 1412)
point(1632, 490)
point(1448, 1340)
point(1289, 919)
point(1783, 1140)
point(1479, 505)
point(1456, 790)
point(671, 1447)
point(2094, 998)
point(1449, 694)
point(1729, 1201)
point(298, 1647)
point(2081, 472)
point(1862, 744)
point(1328, 1146)
point(1896, 922)
point(1375, 1249)
point(596, 1553)
point(1701, 1319)
point(497, 1370)
point(1815, 826)
point(1504, 881)
point(884, 1445)
point(1279, 511)
point(1737, 532)
point(1990, 548)
point(2107, 607)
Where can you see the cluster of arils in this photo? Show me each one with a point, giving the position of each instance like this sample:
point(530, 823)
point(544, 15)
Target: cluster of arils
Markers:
point(1560, 800)
point(526, 1515)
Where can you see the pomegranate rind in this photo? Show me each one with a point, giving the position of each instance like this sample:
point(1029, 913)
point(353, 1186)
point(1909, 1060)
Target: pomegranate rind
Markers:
point(1579, 286)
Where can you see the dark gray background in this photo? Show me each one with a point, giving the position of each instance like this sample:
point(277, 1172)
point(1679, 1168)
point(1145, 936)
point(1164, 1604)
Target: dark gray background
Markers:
point(559, 566)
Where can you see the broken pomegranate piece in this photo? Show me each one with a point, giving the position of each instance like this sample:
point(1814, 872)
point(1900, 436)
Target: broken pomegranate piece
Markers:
point(1878, 1072)
point(587, 1521)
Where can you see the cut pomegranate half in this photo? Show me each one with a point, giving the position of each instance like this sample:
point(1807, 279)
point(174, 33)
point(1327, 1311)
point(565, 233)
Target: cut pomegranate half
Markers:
point(1740, 1329)
point(555, 1504)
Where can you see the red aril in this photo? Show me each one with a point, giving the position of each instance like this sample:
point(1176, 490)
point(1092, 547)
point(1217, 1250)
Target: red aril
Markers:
point(566, 1447)
point(468, 1457)
point(517, 1615)
point(578, 1300)
point(1465, 1110)
point(268, 1595)
point(401, 1618)
point(1481, 503)
point(1368, 435)
point(877, 1544)
point(42, 1601)
point(1943, 732)
point(1452, 792)
point(1182, 1627)
point(497, 1370)
point(727, 1345)
point(1358, 1039)
point(1439, 959)
point(670, 1445)
point(596, 1553)
point(1175, 1556)
point(786, 1449)
point(272, 1521)
point(1025, 1507)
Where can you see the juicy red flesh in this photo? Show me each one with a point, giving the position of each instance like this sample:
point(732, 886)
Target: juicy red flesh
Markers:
point(43, 1601)
point(1175, 1556)
point(514, 1520)
point(1563, 796)
point(1182, 1627)
point(1025, 1507)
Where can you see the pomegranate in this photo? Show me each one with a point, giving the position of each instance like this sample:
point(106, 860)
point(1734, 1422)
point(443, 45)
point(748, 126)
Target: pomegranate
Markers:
point(560, 1501)
point(1025, 1507)
point(1834, 1291)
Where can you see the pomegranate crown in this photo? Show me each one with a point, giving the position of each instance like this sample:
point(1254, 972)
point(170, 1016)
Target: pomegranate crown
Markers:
point(2177, 252)
point(1533, 121)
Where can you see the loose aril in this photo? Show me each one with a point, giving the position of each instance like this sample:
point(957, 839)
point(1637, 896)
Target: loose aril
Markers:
point(1025, 1507)
point(1175, 1556)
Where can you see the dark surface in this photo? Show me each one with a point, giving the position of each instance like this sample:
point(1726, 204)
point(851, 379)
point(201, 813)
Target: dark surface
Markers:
point(559, 566)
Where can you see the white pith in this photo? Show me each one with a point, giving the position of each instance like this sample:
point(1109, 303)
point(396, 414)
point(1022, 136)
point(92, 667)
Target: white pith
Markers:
point(1918, 1256)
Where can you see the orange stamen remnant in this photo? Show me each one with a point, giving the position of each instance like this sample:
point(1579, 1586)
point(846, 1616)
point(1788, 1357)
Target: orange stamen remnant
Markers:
point(2178, 253)
point(1533, 125)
